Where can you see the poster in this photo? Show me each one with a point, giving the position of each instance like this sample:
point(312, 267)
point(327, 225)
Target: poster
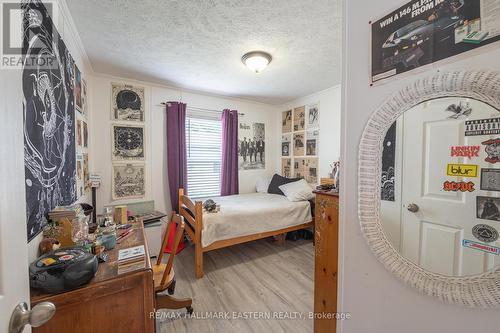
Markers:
point(128, 181)
point(312, 116)
point(127, 102)
point(286, 167)
point(49, 118)
point(388, 164)
point(298, 144)
point(286, 121)
point(425, 31)
point(299, 119)
point(128, 142)
point(312, 142)
point(306, 168)
point(251, 146)
point(286, 144)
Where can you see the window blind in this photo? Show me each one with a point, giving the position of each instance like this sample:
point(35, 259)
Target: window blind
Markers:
point(204, 154)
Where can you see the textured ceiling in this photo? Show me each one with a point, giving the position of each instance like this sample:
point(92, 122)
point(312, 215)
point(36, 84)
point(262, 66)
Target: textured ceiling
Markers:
point(197, 45)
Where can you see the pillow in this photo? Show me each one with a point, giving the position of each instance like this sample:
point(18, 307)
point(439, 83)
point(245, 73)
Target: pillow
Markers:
point(262, 185)
point(277, 181)
point(297, 191)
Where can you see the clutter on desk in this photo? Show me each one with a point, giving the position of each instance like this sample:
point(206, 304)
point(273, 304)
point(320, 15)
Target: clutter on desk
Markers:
point(149, 217)
point(131, 258)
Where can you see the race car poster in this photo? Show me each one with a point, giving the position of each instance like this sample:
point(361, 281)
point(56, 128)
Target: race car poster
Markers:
point(425, 31)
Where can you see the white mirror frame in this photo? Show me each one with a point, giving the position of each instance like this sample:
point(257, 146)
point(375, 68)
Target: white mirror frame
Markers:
point(481, 290)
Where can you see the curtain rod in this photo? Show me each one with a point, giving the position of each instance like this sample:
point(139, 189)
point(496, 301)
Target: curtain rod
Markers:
point(202, 109)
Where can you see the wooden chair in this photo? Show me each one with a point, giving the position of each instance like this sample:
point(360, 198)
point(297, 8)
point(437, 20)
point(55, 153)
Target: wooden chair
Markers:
point(163, 274)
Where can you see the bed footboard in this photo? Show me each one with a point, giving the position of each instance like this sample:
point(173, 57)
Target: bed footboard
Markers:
point(193, 215)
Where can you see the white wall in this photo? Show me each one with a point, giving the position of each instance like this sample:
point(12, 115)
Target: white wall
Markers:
point(377, 301)
point(329, 101)
point(65, 25)
point(156, 146)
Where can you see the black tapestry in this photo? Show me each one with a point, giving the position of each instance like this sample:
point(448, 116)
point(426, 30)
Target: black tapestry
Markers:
point(388, 161)
point(49, 117)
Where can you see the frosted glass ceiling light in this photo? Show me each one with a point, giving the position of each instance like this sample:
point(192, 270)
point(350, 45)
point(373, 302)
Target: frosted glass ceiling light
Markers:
point(256, 61)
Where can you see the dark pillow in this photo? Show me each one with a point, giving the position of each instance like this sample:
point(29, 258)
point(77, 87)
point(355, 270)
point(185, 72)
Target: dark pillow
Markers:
point(277, 181)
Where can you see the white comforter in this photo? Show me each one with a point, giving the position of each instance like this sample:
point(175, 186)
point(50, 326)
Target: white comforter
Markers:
point(248, 214)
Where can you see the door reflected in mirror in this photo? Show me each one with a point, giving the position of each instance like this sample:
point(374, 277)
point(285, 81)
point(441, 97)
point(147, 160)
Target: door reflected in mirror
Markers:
point(440, 190)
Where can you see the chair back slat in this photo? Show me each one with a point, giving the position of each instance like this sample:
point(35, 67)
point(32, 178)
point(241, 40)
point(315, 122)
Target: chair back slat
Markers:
point(179, 221)
point(165, 240)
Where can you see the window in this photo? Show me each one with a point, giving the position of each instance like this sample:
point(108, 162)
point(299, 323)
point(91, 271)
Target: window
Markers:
point(204, 153)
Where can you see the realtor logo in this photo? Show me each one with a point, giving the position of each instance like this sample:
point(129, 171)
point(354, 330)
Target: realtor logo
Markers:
point(17, 27)
point(462, 170)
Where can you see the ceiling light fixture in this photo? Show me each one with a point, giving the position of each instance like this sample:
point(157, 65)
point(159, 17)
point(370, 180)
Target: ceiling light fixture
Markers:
point(256, 61)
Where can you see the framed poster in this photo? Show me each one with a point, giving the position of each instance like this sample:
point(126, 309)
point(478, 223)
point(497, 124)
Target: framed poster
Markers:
point(426, 31)
point(127, 102)
point(128, 181)
point(128, 142)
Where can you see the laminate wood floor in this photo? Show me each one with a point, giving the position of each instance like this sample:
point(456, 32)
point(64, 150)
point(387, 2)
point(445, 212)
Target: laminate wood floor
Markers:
point(254, 279)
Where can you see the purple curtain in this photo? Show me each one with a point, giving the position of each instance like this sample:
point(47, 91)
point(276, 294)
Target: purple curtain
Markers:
point(229, 169)
point(176, 150)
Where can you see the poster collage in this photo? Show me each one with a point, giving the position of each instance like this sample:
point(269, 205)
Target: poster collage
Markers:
point(300, 143)
point(128, 141)
point(82, 134)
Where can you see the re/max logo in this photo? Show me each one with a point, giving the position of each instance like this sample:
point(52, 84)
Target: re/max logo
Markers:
point(462, 170)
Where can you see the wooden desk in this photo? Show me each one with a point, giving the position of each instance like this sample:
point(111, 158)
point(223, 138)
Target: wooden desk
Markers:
point(109, 302)
point(326, 261)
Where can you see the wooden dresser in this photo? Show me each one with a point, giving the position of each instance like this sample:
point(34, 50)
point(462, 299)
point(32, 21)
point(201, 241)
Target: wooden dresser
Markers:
point(109, 302)
point(326, 261)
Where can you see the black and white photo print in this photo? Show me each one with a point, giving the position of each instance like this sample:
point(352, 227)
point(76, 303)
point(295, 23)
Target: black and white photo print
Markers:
point(286, 144)
point(127, 102)
point(128, 143)
point(490, 179)
point(128, 181)
point(312, 138)
point(49, 118)
point(488, 208)
point(312, 116)
point(286, 121)
point(298, 144)
point(299, 119)
point(251, 146)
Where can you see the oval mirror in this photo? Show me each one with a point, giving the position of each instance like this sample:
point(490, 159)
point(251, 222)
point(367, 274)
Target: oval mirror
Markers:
point(429, 186)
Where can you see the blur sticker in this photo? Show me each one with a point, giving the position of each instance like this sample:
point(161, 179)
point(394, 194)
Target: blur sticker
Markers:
point(481, 247)
point(462, 170)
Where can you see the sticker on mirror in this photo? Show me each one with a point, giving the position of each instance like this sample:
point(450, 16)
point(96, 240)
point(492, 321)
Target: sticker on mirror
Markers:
point(465, 151)
point(458, 186)
point(490, 126)
point(480, 247)
point(493, 150)
point(485, 233)
point(462, 170)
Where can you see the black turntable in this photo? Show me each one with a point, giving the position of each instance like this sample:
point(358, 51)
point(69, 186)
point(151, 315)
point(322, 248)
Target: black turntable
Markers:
point(62, 270)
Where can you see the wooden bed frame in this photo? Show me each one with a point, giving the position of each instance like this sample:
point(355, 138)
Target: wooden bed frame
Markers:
point(194, 227)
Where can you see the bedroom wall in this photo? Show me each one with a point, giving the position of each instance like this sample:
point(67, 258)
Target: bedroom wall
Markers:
point(65, 25)
point(377, 301)
point(156, 160)
point(329, 101)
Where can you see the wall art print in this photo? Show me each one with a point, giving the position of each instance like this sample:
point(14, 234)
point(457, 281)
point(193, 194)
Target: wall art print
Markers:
point(252, 146)
point(388, 164)
point(128, 181)
point(127, 102)
point(49, 117)
point(128, 143)
point(299, 119)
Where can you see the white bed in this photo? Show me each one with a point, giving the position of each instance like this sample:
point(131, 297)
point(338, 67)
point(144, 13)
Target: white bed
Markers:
point(242, 218)
point(249, 214)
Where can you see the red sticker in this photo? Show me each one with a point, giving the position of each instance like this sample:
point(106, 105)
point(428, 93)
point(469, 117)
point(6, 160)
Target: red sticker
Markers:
point(465, 151)
point(66, 257)
point(493, 150)
point(458, 186)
